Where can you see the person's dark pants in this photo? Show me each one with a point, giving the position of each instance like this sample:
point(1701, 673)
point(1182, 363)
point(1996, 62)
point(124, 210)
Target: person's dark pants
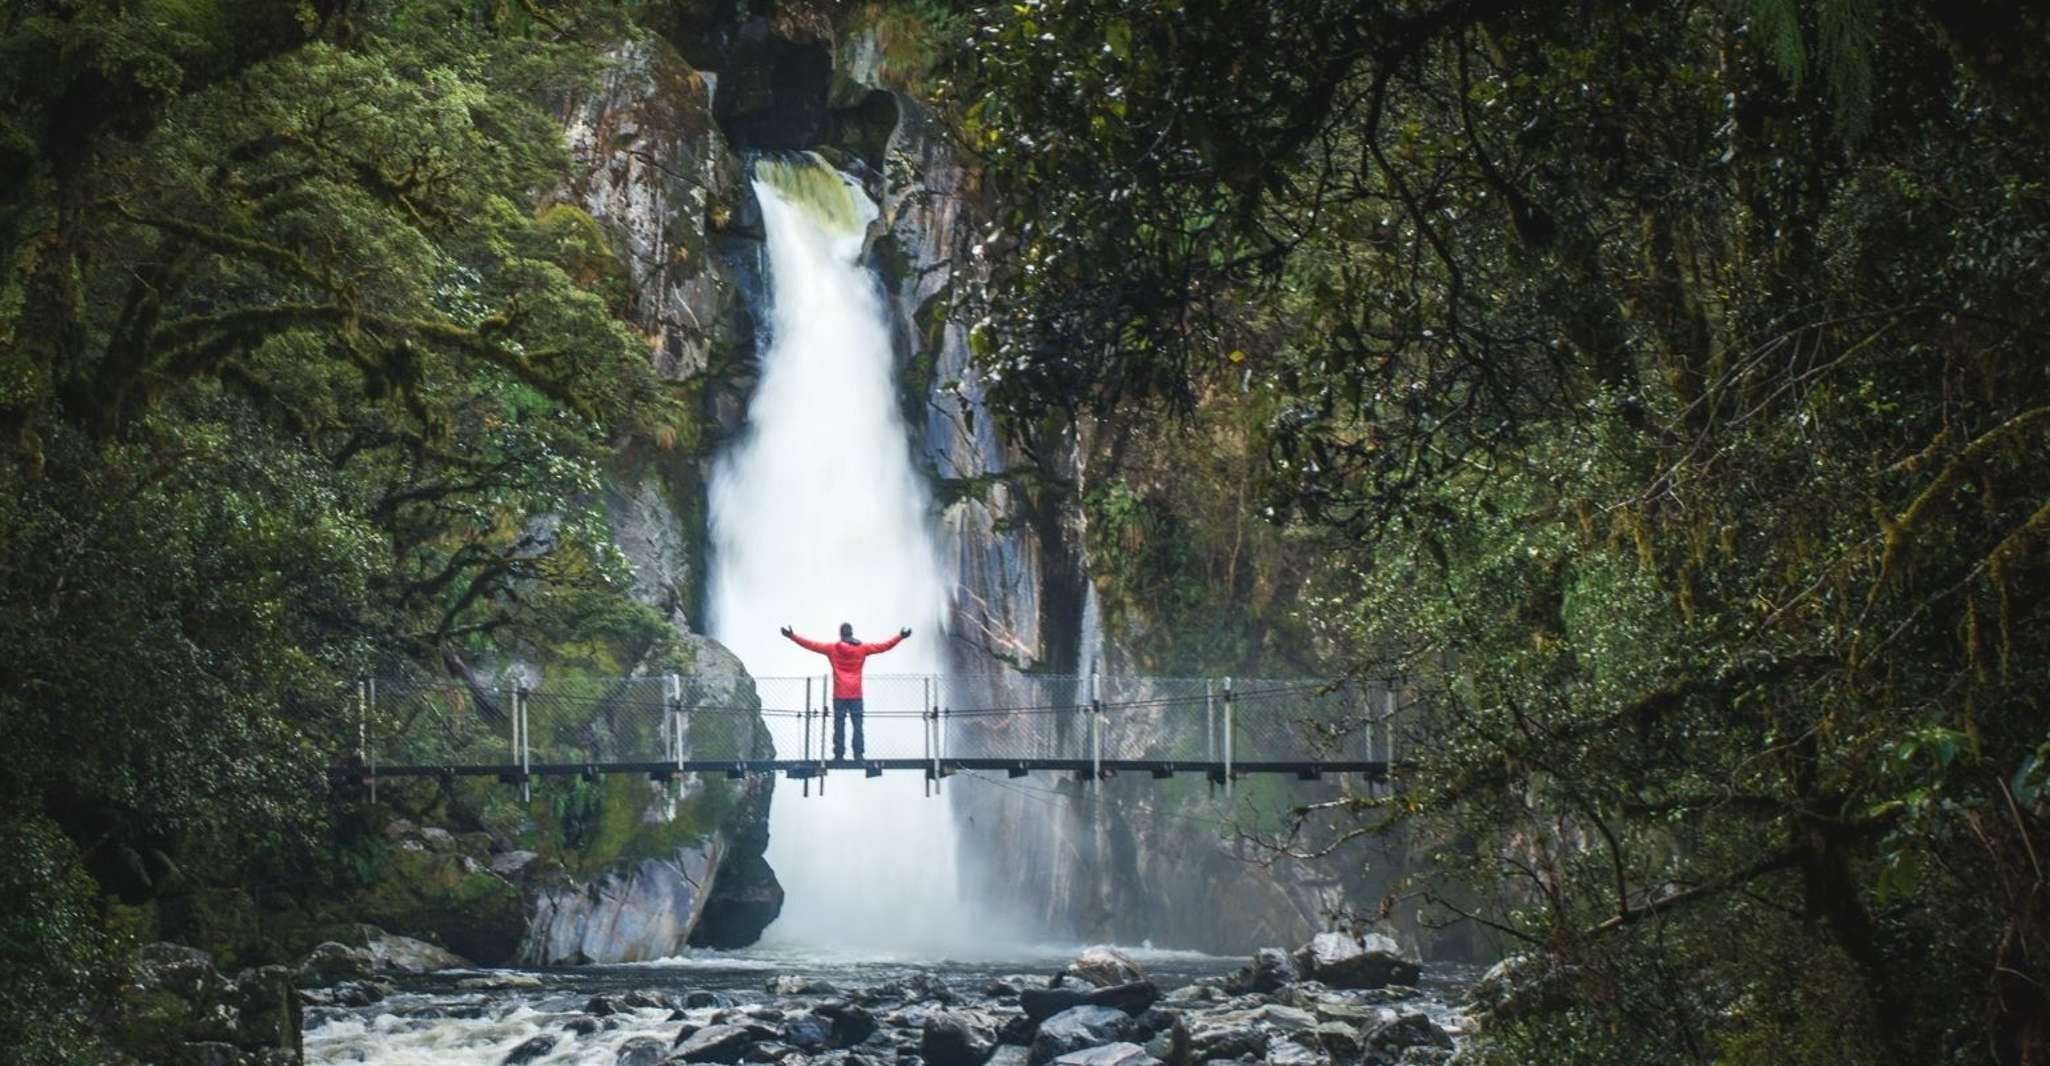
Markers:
point(843, 710)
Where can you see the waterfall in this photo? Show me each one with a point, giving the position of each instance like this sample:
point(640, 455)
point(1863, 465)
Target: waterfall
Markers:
point(818, 517)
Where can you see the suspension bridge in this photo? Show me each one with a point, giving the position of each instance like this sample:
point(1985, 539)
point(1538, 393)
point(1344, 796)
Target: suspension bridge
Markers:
point(1089, 726)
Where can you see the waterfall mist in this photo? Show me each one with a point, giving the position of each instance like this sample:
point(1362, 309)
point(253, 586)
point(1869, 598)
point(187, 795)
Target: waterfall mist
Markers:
point(818, 517)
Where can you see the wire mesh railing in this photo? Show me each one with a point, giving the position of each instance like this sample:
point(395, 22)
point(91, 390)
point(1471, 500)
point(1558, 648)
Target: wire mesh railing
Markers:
point(1041, 719)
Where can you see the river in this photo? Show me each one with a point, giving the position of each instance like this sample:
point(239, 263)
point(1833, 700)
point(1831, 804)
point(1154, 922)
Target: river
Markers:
point(480, 1017)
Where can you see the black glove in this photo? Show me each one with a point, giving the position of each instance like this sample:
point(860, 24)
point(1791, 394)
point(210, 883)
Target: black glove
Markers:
point(786, 631)
point(904, 632)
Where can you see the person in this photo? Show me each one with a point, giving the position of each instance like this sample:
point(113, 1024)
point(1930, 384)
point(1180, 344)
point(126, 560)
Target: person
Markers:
point(847, 655)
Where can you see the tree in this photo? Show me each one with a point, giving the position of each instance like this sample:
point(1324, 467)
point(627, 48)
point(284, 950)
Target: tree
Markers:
point(1674, 409)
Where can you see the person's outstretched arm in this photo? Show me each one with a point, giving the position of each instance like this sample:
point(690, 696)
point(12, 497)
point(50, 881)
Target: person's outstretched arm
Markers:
point(883, 646)
point(806, 642)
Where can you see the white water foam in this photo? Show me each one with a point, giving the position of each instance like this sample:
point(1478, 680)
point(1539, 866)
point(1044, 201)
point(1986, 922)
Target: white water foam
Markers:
point(818, 517)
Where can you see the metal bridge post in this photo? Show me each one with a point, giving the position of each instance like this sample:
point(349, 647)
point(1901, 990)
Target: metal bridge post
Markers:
point(825, 704)
point(807, 734)
point(932, 773)
point(1095, 731)
point(1227, 737)
point(676, 724)
point(1388, 730)
point(939, 733)
point(526, 745)
point(1209, 721)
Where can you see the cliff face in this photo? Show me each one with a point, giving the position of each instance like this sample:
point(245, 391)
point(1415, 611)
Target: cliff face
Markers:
point(654, 172)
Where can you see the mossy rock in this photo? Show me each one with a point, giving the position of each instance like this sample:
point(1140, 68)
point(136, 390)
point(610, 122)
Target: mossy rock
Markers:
point(446, 900)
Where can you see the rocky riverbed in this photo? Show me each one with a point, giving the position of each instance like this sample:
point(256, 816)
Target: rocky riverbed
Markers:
point(1335, 1002)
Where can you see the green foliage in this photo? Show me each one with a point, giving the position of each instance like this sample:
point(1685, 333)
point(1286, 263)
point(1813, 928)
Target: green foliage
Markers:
point(300, 372)
point(1670, 416)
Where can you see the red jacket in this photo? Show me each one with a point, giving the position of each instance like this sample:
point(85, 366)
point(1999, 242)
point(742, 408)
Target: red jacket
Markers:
point(847, 656)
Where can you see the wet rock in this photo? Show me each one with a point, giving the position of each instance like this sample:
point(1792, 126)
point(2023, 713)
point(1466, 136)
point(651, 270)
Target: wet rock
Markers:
point(957, 1038)
point(640, 1051)
point(1424, 1056)
point(501, 982)
point(1342, 961)
point(333, 964)
point(1338, 1039)
point(1018, 1029)
point(1118, 1054)
point(766, 1051)
point(1225, 1041)
point(346, 994)
point(1077, 1028)
point(645, 999)
point(1132, 998)
point(809, 1032)
point(713, 1043)
point(851, 1024)
point(1207, 990)
point(1389, 1040)
point(1008, 1054)
point(1268, 971)
point(917, 988)
point(1102, 967)
point(1290, 1053)
point(701, 999)
point(581, 1025)
point(600, 1007)
point(793, 985)
point(530, 1050)
point(1283, 1018)
point(265, 1003)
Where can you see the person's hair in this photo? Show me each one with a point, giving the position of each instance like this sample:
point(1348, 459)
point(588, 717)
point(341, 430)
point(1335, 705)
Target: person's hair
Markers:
point(846, 631)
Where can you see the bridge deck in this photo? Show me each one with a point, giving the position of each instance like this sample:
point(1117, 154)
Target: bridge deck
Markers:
point(801, 769)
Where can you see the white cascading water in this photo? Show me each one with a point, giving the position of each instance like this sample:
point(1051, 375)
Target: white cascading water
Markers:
point(818, 517)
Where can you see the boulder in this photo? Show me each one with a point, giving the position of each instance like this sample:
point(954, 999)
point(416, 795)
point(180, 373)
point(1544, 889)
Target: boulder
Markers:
point(529, 1050)
point(809, 1032)
point(851, 1024)
point(265, 1002)
point(1226, 1041)
point(1518, 985)
point(580, 1024)
point(713, 1043)
point(1010, 1055)
point(1339, 1040)
point(1341, 961)
point(956, 1038)
point(1019, 1029)
point(404, 954)
point(333, 964)
point(640, 1051)
point(346, 994)
point(791, 985)
point(1133, 998)
point(1388, 1040)
point(513, 865)
point(1102, 967)
point(1269, 971)
point(1077, 1028)
point(1283, 1018)
point(1119, 1054)
point(1291, 1053)
point(700, 999)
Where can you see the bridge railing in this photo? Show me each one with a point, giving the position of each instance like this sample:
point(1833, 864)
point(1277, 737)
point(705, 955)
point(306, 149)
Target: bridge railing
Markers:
point(680, 719)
